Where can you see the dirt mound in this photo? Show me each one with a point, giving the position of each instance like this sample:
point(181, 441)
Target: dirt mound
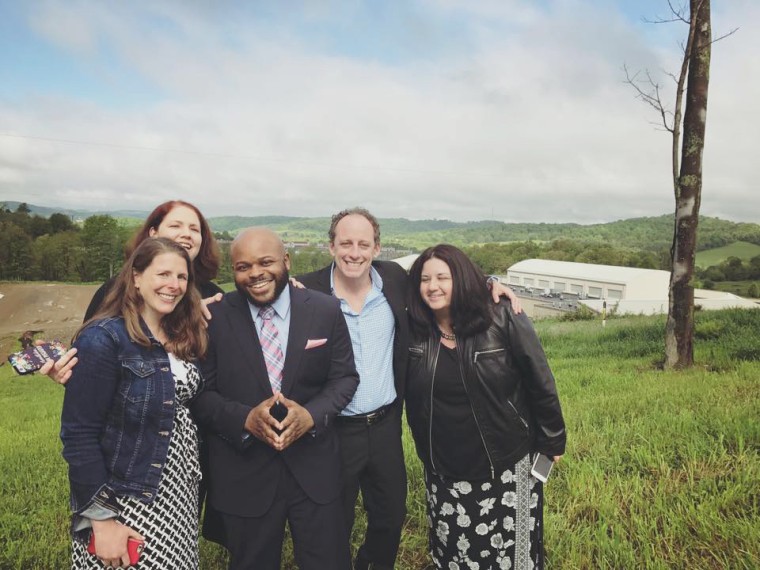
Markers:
point(55, 309)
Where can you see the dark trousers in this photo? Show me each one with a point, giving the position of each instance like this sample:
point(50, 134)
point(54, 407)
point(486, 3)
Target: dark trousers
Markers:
point(318, 532)
point(373, 461)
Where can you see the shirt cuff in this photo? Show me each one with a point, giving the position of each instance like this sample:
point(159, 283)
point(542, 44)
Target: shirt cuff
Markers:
point(94, 513)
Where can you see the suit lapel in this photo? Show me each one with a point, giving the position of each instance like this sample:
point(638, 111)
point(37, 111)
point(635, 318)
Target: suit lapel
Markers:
point(244, 331)
point(393, 294)
point(324, 280)
point(301, 312)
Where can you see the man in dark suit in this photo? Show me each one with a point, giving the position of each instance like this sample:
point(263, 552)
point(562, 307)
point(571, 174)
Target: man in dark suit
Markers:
point(278, 370)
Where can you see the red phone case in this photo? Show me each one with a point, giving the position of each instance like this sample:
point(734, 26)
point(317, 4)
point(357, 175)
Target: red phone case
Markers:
point(134, 548)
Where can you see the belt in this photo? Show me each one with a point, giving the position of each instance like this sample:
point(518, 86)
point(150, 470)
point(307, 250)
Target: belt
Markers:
point(367, 419)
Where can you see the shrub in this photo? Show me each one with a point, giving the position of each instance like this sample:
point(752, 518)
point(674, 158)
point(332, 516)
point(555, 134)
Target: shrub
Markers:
point(582, 313)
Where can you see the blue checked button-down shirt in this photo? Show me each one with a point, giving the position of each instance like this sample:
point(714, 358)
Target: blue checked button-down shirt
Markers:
point(372, 332)
point(281, 318)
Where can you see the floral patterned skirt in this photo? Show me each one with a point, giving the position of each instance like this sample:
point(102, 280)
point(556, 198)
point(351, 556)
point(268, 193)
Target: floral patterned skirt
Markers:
point(486, 525)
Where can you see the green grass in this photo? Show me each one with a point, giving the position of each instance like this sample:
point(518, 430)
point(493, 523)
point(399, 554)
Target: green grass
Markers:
point(740, 288)
point(662, 469)
point(741, 249)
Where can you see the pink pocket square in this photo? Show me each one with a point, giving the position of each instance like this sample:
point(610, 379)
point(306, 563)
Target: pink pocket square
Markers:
point(315, 342)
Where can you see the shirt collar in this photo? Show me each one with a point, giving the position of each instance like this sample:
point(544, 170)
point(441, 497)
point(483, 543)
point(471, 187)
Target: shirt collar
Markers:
point(374, 276)
point(281, 304)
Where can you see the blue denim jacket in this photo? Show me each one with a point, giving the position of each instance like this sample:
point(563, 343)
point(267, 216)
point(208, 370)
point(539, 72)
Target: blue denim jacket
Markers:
point(117, 417)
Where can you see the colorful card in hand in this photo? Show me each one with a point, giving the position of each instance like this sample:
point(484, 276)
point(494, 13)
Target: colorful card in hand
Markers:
point(31, 359)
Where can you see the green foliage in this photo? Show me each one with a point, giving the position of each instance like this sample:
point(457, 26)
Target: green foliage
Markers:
point(104, 242)
point(651, 234)
point(741, 249)
point(234, 224)
point(225, 274)
point(496, 258)
point(60, 223)
point(732, 268)
point(753, 291)
point(33, 247)
point(740, 288)
point(582, 313)
point(662, 468)
point(15, 252)
point(55, 249)
point(308, 259)
point(58, 257)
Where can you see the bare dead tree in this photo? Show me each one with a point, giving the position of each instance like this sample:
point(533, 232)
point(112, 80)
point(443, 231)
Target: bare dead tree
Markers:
point(688, 141)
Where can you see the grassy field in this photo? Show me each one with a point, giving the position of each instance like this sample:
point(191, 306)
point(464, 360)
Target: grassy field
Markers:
point(740, 288)
point(662, 469)
point(741, 249)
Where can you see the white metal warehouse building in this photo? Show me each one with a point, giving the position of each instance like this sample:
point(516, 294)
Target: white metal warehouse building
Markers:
point(630, 289)
point(588, 280)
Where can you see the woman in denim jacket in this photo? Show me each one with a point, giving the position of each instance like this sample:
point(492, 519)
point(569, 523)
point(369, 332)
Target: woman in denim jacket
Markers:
point(129, 440)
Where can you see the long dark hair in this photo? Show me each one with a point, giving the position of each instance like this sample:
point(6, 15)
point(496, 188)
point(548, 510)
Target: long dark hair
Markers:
point(185, 326)
point(470, 300)
point(206, 264)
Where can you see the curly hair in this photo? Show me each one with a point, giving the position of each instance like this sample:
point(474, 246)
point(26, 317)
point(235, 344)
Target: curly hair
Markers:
point(350, 212)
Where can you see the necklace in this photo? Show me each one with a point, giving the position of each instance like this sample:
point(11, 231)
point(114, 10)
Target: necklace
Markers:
point(447, 336)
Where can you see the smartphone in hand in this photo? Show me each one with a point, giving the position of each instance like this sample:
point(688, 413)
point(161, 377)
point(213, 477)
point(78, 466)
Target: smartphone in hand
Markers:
point(134, 548)
point(31, 359)
point(542, 467)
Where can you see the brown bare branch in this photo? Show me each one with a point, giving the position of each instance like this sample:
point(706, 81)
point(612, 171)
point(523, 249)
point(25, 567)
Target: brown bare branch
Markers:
point(724, 36)
point(651, 96)
point(678, 15)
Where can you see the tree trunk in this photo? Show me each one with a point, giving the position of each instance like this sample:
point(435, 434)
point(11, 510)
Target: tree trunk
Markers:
point(679, 330)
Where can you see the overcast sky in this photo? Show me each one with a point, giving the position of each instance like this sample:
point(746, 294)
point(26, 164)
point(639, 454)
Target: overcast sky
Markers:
point(458, 109)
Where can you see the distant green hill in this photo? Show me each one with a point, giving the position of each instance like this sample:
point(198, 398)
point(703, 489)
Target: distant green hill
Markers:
point(46, 211)
point(649, 234)
point(741, 249)
point(653, 234)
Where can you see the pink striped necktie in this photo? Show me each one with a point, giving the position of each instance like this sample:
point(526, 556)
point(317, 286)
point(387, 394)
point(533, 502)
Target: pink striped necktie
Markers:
point(270, 345)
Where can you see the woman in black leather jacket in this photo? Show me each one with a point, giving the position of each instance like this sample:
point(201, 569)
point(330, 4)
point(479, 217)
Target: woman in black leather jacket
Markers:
point(481, 402)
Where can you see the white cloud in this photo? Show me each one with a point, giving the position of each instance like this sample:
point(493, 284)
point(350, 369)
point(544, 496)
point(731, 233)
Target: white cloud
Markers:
point(529, 121)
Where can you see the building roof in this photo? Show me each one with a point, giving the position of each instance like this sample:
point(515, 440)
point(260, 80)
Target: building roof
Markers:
point(407, 261)
point(589, 271)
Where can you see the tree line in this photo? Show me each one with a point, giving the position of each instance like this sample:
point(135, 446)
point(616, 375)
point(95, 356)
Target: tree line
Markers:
point(36, 248)
point(33, 247)
point(732, 269)
point(495, 258)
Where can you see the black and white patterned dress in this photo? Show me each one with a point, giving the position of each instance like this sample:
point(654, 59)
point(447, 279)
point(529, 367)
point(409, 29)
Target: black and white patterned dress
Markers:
point(489, 524)
point(476, 521)
point(170, 523)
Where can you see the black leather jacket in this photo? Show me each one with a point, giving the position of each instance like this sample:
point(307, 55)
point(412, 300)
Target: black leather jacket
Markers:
point(508, 382)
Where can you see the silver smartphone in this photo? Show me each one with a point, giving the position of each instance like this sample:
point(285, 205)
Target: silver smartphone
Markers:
point(542, 466)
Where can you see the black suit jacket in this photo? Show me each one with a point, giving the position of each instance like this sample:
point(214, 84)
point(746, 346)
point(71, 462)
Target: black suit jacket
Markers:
point(394, 288)
point(243, 473)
